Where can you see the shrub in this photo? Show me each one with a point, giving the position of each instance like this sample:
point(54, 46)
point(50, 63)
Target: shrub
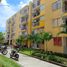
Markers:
point(54, 58)
point(61, 55)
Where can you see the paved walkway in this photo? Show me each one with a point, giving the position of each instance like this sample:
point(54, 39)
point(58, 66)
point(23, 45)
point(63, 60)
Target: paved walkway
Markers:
point(27, 61)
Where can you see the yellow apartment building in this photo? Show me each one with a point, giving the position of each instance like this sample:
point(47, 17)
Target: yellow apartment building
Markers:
point(13, 30)
point(40, 15)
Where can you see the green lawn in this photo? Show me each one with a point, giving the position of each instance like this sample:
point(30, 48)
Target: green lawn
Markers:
point(27, 51)
point(7, 62)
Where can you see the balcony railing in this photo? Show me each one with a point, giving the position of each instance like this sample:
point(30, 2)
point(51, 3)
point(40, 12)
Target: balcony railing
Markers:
point(36, 3)
point(36, 22)
point(65, 6)
point(36, 13)
point(24, 19)
point(23, 27)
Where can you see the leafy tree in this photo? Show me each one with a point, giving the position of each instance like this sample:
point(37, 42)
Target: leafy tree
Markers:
point(35, 38)
point(46, 37)
point(1, 38)
point(38, 38)
point(20, 40)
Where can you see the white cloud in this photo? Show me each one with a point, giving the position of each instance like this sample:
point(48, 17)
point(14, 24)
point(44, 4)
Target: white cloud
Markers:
point(21, 4)
point(5, 12)
point(8, 10)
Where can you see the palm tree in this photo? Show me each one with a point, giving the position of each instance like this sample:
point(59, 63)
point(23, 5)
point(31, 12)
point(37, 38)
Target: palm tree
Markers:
point(20, 40)
point(38, 38)
point(35, 38)
point(46, 37)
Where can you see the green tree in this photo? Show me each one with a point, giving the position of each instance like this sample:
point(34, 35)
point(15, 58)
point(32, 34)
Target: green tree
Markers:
point(1, 38)
point(38, 38)
point(20, 40)
point(35, 38)
point(46, 37)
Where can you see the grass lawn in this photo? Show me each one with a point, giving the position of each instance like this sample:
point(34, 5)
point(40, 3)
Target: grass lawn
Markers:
point(27, 51)
point(7, 62)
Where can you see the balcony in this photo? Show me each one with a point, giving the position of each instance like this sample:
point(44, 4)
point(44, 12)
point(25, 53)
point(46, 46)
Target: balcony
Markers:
point(24, 11)
point(36, 13)
point(36, 22)
point(36, 3)
point(65, 6)
point(23, 27)
point(24, 19)
point(64, 26)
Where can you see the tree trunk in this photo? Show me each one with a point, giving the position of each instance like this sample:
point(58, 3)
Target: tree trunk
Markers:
point(46, 46)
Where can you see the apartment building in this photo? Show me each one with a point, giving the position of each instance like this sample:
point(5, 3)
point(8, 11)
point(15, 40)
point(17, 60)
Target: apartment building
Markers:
point(42, 15)
point(24, 16)
point(8, 30)
point(13, 30)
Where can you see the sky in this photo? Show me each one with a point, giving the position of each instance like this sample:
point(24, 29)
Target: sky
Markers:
point(9, 8)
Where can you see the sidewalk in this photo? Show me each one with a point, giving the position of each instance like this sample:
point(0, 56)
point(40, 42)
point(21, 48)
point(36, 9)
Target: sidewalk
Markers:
point(27, 61)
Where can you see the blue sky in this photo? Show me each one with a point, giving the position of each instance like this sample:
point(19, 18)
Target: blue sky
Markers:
point(8, 11)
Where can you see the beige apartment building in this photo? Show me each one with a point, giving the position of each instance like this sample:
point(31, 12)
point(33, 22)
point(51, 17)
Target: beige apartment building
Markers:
point(46, 15)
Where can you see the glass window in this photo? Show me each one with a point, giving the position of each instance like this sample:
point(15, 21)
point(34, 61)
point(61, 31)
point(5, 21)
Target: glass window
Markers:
point(42, 18)
point(55, 23)
point(42, 7)
point(56, 5)
point(59, 3)
point(60, 21)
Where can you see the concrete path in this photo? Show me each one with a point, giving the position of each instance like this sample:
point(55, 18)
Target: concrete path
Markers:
point(27, 61)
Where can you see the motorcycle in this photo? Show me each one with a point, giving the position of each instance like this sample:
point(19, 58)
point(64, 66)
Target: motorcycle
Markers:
point(14, 55)
point(3, 50)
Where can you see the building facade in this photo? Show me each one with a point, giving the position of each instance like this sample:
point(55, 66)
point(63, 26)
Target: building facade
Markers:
point(41, 15)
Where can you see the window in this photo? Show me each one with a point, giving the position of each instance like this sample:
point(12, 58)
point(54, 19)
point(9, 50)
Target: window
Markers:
point(57, 41)
point(36, 3)
point(65, 6)
point(60, 21)
point(42, 18)
point(36, 22)
point(56, 5)
point(41, 7)
point(57, 22)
